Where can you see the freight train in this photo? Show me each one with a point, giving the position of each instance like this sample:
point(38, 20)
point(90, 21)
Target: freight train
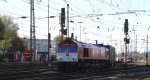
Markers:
point(74, 55)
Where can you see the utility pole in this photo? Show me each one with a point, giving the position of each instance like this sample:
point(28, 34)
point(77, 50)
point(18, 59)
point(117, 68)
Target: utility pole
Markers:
point(49, 39)
point(136, 48)
point(131, 51)
point(134, 43)
point(85, 36)
point(146, 51)
point(147, 44)
point(80, 29)
point(126, 51)
point(32, 30)
point(68, 20)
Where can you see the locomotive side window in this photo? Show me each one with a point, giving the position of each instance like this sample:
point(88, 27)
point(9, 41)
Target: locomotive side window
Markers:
point(85, 52)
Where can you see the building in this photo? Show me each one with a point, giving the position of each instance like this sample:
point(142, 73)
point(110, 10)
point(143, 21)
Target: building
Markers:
point(42, 49)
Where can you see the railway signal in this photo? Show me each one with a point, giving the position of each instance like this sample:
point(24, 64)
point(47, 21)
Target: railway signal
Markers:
point(126, 27)
point(127, 41)
point(65, 31)
point(62, 17)
point(62, 22)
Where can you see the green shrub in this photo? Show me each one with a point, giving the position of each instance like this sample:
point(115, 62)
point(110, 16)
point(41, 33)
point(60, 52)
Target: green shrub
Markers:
point(1, 55)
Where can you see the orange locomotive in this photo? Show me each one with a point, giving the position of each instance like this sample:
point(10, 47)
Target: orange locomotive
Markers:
point(74, 55)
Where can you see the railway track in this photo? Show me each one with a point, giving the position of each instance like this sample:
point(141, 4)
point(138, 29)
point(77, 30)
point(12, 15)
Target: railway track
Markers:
point(42, 72)
point(137, 73)
point(22, 71)
point(130, 73)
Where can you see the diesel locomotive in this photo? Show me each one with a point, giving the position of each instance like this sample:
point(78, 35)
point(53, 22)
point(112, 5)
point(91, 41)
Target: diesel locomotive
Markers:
point(74, 55)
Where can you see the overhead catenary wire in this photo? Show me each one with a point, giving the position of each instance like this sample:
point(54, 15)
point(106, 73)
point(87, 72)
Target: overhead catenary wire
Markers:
point(90, 22)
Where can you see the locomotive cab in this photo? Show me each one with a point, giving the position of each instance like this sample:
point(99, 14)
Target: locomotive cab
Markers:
point(67, 56)
point(67, 51)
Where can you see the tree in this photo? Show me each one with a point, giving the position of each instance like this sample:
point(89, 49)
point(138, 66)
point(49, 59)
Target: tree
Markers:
point(8, 31)
point(18, 44)
point(57, 39)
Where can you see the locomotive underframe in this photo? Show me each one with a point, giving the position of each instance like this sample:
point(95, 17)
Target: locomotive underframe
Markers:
point(84, 65)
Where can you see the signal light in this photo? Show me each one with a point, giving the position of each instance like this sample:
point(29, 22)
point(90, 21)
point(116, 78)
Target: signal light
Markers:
point(65, 31)
point(126, 26)
point(63, 17)
point(127, 40)
point(49, 40)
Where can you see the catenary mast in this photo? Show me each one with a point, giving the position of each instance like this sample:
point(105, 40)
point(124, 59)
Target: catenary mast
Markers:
point(32, 30)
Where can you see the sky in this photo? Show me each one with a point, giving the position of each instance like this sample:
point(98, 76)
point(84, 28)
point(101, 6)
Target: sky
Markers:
point(103, 20)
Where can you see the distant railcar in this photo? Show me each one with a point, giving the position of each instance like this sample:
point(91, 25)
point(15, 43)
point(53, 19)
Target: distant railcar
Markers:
point(74, 55)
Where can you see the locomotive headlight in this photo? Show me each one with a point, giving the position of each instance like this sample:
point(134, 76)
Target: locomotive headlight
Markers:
point(73, 58)
point(59, 58)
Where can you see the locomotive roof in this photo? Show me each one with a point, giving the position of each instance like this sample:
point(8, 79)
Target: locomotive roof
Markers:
point(80, 44)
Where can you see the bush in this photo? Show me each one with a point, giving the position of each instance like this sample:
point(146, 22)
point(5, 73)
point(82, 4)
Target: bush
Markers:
point(1, 55)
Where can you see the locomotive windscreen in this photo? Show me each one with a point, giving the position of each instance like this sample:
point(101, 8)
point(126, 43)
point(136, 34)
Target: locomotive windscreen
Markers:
point(70, 49)
point(67, 46)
